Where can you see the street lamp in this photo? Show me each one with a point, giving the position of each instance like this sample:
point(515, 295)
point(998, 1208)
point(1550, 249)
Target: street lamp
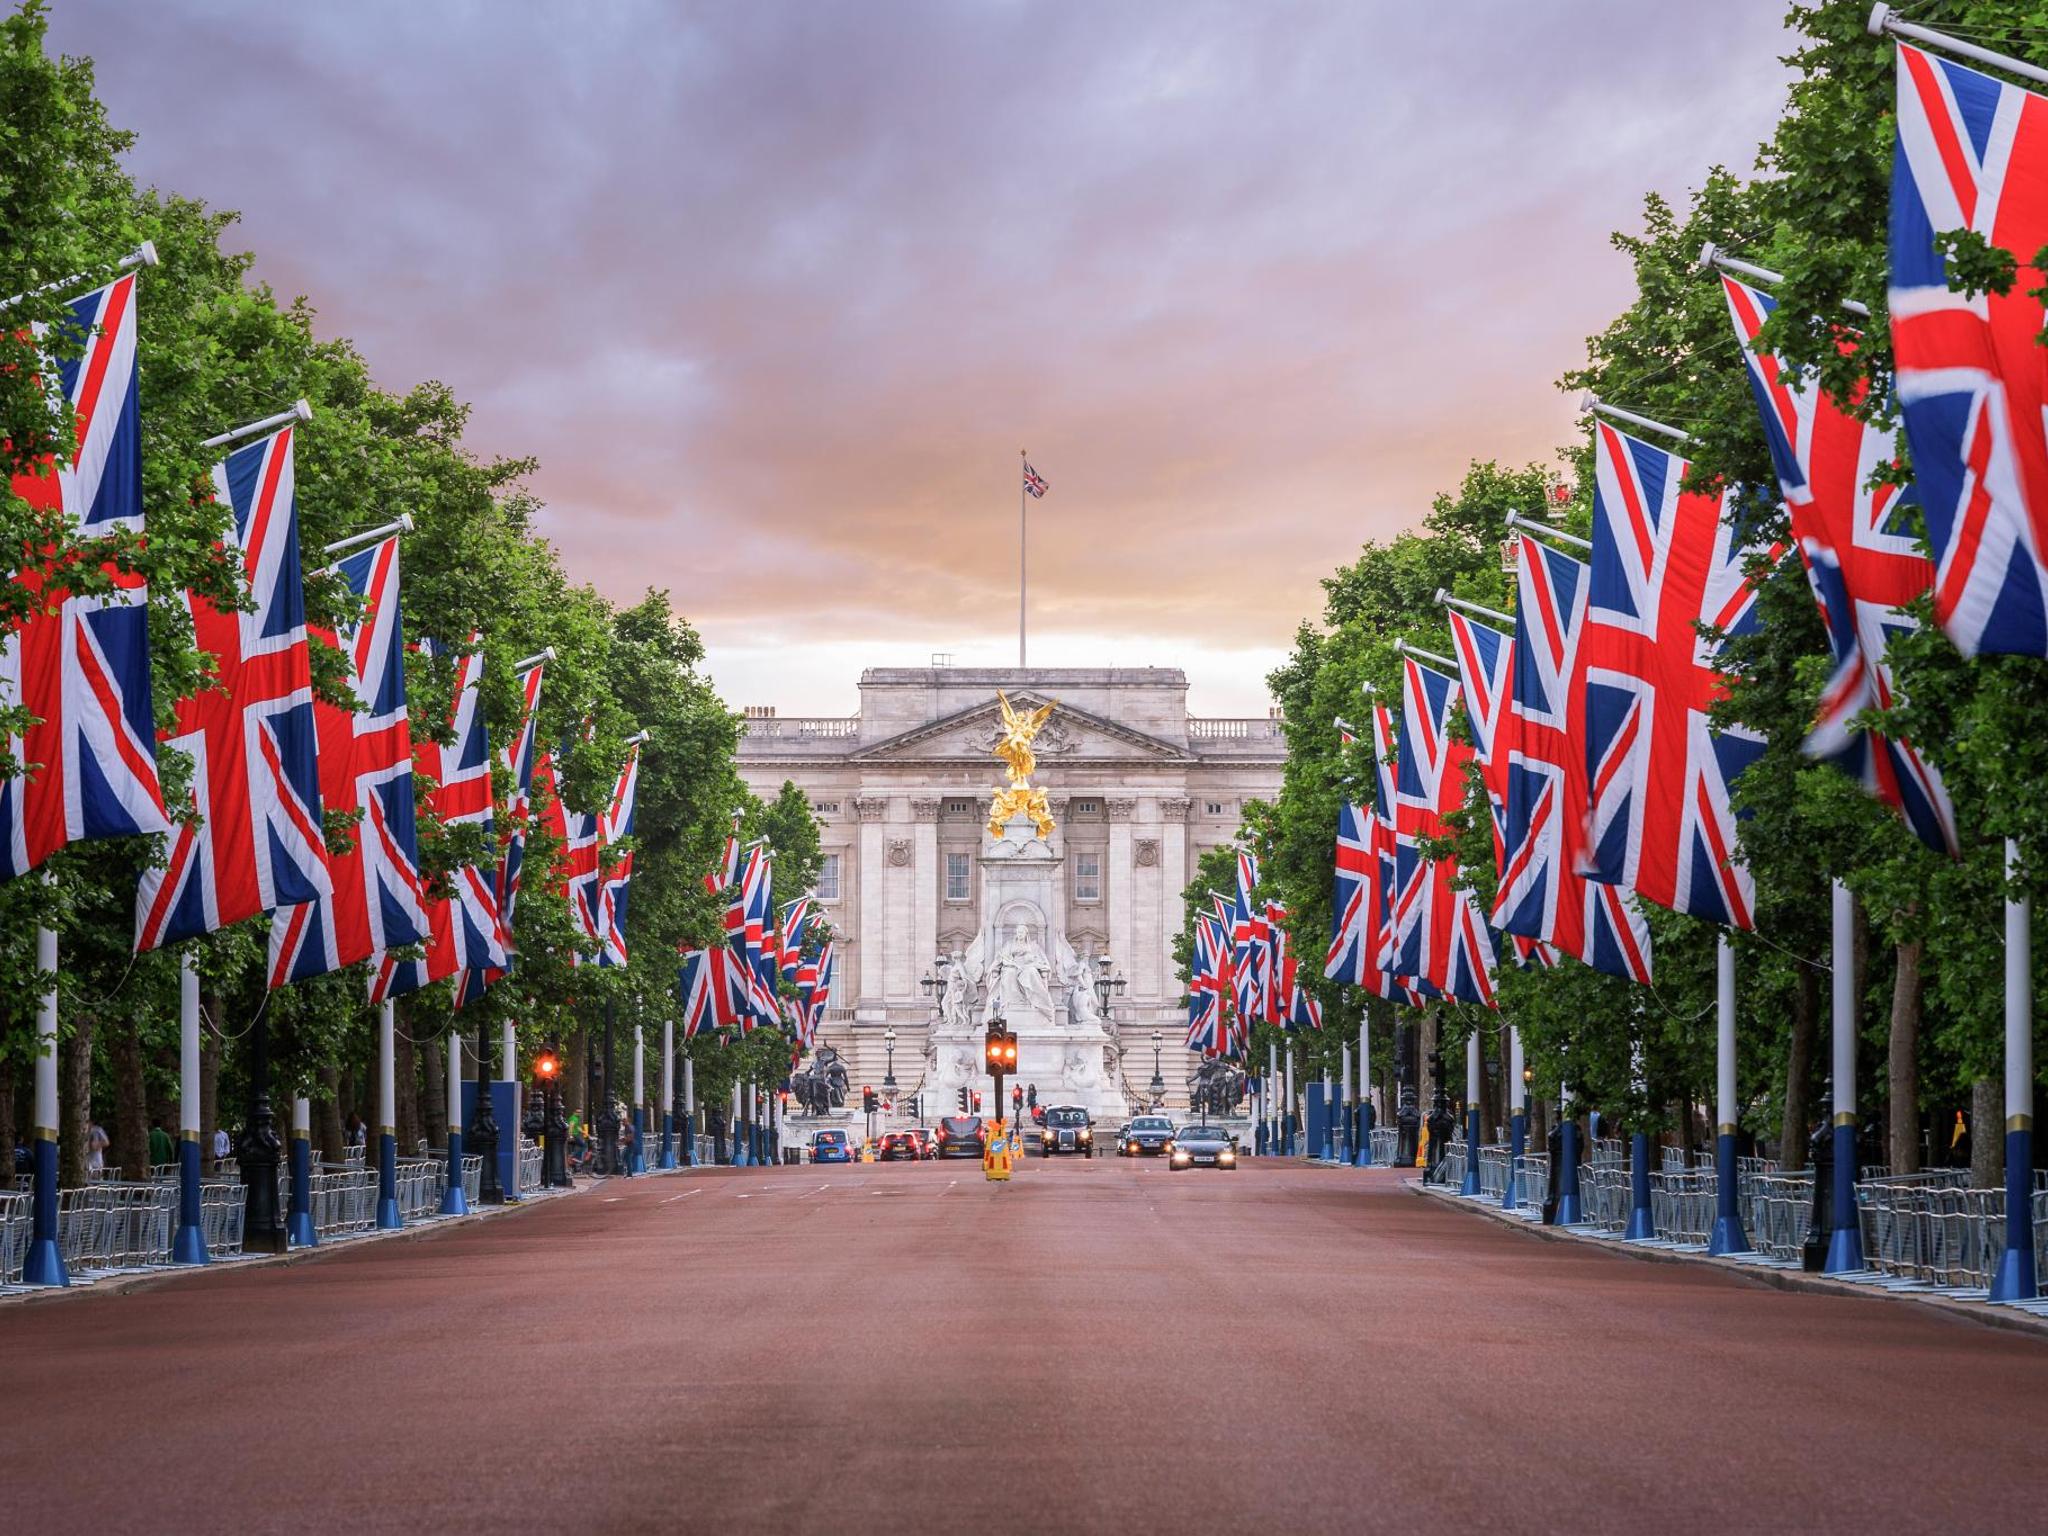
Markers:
point(554, 1126)
point(889, 1057)
point(1158, 1085)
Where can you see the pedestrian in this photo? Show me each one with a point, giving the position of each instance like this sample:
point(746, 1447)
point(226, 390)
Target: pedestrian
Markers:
point(162, 1149)
point(357, 1133)
point(625, 1149)
point(222, 1146)
point(576, 1142)
point(96, 1143)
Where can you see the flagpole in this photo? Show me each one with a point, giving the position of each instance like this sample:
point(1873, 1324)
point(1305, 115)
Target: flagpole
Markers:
point(1023, 569)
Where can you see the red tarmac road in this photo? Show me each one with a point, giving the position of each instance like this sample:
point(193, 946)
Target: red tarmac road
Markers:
point(1097, 1346)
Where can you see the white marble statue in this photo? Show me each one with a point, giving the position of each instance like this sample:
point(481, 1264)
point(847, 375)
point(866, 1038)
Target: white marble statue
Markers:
point(1017, 979)
point(1082, 1006)
point(956, 997)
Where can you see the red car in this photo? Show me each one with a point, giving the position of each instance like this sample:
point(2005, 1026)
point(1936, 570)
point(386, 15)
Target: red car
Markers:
point(898, 1147)
point(926, 1147)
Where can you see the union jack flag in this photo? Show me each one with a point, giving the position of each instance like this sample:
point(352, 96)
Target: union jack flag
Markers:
point(255, 841)
point(463, 930)
point(522, 761)
point(1354, 880)
point(365, 763)
point(1970, 381)
point(615, 880)
point(749, 922)
point(1666, 563)
point(814, 989)
point(1279, 943)
point(1863, 560)
point(796, 918)
point(727, 875)
point(581, 873)
point(714, 990)
point(1440, 941)
point(1034, 482)
point(1542, 894)
point(87, 767)
point(1205, 989)
point(1486, 674)
point(1251, 945)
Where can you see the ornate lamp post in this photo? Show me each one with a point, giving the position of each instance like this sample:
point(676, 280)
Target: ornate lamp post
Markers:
point(1157, 1087)
point(889, 1061)
point(256, 1153)
point(554, 1125)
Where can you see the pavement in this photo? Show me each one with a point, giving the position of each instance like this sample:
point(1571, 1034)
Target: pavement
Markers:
point(1095, 1346)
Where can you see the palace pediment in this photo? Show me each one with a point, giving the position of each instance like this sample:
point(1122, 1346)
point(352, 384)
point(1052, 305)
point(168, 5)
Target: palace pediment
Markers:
point(1071, 735)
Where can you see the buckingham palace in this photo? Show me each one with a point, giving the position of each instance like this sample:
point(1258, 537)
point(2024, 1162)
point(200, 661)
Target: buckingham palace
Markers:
point(1138, 789)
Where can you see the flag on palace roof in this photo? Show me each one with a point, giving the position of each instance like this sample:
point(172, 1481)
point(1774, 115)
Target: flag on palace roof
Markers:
point(378, 902)
point(1971, 153)
point(255, 840)
point(1542, 894)
point(1034, 482)
point(86, 768)
point(1863, 559)
point(1667, 562)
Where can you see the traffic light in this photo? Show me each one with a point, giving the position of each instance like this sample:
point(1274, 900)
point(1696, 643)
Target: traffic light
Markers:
point(963, 1098)
point(977, 1101)
point(1016, 1095)
point(999, 1050)
point(546, 1065)
point(867, 1101)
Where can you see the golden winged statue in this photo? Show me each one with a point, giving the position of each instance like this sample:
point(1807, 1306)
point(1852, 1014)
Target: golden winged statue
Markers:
point(1013, 746)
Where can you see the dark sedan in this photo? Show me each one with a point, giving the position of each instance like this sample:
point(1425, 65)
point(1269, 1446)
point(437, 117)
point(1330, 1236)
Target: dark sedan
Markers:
point(1203, 1146)
point(1147, 1136)
point(962, 1136)
point(898, 1147)
point(1066, 1129)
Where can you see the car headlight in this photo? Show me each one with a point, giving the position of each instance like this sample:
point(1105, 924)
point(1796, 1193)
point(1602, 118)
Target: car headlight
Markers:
point(1087, 1135)
point(1226, 1156)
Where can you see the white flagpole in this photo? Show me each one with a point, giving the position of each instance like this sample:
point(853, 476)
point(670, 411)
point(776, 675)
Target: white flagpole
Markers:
point(2016, 1278)
point(1728, 1236)
point(188, 1246)
point(1845, 1241)
point(299, 410)
point(44, 1262)
point(1023, 569)
point(1882, 21)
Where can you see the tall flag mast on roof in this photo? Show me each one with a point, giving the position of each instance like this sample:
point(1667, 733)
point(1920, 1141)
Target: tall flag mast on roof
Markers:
point(1034, 486)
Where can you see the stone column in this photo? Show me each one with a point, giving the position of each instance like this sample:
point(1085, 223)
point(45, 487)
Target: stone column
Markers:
point(1173, 859)
point(870, 809)
point(926, 870)
point(1117, 874)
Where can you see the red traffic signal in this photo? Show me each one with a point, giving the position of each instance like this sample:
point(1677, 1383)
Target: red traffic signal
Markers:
point(545, 1065)
point(977, 1101)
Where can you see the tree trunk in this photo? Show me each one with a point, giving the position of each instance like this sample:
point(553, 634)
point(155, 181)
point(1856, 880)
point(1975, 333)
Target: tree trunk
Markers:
point(1987, 1133)
point(130, 1151)
point(161, 1089)
point(434, 1093)
point(1798, 1067)
point(9, 1125)
point(74, 1112)
point(576, 1076)
point(1903, 1052)
point(209, 1083)
point(327, 1136)
point(406, 1081)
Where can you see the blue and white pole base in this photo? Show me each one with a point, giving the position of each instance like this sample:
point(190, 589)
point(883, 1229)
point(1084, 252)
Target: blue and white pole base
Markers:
point(1470, 1184)
point(44, 1263)
point(1518, 1141)
point(638, 1161)
point(1845, 1243)
point(188, 1244)
point(388, 1218)
point(2016, 1279)
point(1728, 1236)
point(1363, 1159)
point(1569, 1213)
point(454, 1202)
point(299, 1230)
point(1642, 1220)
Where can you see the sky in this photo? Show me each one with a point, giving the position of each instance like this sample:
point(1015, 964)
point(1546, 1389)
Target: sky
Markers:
point(777, 292)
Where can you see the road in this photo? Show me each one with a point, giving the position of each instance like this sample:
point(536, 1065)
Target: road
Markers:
point(1095, 1347)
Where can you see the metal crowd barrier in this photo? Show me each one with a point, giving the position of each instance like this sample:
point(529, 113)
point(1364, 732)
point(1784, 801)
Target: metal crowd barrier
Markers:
point(1535, 1178)
point(1386, 1141)
point(1450, 1168)
point(1776, 1208)
point(529, 1165)
point(1682, 1203)
point(1604, 1195)
point(15, 1225)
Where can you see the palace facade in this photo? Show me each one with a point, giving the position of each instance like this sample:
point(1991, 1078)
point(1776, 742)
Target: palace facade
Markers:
point(1138, 788)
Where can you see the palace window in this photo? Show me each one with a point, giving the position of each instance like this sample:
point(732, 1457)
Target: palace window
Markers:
point(825, 807)
point(1215, 807)
point(958, 808)
point(828, 877)
point(1087, 877)
point(1087, 807)
point(959, 871)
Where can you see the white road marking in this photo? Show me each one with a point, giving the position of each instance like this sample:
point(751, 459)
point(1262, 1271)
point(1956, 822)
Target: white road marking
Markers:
point(672, 1199)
